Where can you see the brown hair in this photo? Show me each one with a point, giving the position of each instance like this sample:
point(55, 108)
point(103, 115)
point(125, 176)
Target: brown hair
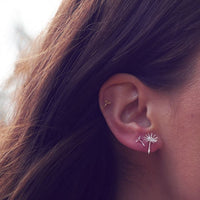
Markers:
point(57, 144)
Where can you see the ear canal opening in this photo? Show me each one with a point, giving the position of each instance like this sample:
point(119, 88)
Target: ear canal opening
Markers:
point(132, 114)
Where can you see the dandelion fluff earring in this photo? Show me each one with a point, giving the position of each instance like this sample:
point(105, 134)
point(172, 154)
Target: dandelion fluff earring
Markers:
point(149, 138)
point(140, 140)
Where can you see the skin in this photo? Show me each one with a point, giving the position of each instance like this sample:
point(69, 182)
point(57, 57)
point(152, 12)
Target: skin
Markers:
point(171, 171)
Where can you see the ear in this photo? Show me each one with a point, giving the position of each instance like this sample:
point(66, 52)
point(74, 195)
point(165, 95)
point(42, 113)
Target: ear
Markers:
point(125, 103)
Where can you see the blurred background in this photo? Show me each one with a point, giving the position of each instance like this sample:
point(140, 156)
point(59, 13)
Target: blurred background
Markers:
point(20, 22)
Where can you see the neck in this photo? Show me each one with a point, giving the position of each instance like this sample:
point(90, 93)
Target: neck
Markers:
point(141, 178)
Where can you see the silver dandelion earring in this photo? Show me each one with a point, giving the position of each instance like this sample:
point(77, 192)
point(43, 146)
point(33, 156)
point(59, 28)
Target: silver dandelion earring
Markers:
point(150, 138)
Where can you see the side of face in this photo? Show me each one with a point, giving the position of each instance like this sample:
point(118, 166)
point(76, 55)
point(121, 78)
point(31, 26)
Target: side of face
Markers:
point(181, 134)
point(174, 116)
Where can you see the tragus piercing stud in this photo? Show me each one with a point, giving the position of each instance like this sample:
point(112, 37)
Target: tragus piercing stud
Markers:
point(106, 102)
point(150, 138)
point(139, 140)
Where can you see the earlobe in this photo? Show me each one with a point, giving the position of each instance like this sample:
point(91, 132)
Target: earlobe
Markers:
point(122, 103)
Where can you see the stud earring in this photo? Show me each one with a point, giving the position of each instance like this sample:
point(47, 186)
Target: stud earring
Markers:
point(150, 138)
point(140, 140)
point(106, 102)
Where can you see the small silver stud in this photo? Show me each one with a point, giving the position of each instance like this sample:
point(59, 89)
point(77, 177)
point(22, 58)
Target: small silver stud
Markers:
point(106, 102)
point(140, 140)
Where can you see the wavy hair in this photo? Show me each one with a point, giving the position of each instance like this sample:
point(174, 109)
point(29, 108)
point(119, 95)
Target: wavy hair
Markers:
point(57, 144)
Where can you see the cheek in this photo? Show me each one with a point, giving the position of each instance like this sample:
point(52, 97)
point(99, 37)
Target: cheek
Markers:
point(182, 149)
